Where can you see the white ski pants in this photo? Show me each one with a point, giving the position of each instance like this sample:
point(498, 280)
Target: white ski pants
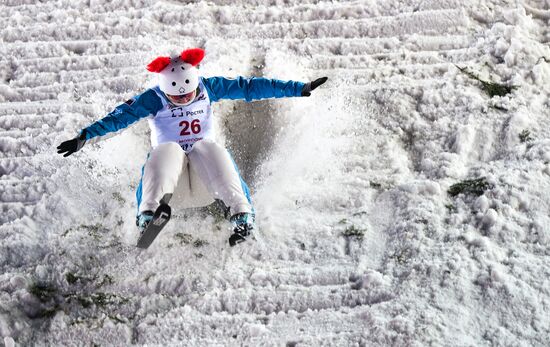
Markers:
point(205, 173)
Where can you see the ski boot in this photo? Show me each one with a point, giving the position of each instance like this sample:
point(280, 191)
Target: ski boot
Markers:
point(243, 224)
point(143, 220)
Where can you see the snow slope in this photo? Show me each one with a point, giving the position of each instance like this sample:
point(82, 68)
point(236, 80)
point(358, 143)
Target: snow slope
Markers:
point(359, 241)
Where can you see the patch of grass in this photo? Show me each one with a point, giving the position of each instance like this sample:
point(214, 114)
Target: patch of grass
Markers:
point(98, 299)
point(48, 296)
point(495, 89)
point(102, 299)
point(46, 293)
point(106, 280)
point(402, 256)
point(148, 277)
point(218, 210)
point(48, 313)
point(375, 185)
point(354, 232)
point(94, 230)
point(53, 300)
point(200, 243)
point(451, 208)
point(71, 278)
point(118, 319)
point(118, 197)
point(84, 301)
point(498, 107)
point(42, 291)
point(472, 187)
point(114, 244)
point(491, 88)
point(525, 136)
point(184, 238)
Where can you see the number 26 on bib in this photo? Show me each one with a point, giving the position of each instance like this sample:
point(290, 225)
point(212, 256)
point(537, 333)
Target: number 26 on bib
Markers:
point(188, 128)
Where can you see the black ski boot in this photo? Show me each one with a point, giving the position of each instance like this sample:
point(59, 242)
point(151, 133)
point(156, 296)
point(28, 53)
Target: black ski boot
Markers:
point(243, 225)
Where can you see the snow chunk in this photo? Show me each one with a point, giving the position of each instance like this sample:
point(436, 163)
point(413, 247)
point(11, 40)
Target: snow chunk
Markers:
point(371, 280)
point(41, 272)
point(18, 281)
point(490, 218)
point(463, 140)
point(256, 329)
point(259, 278)
point(9, 342)
point(481, 204)
point(476, 240)
point(422, 187)
point(541, 73)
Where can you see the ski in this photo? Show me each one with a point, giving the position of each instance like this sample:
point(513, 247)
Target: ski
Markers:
point(236, 239)
point(239, 236)
point(160, 218)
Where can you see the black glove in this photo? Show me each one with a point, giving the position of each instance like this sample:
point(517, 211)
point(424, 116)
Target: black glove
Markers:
point(74, 145)
point(306, 91)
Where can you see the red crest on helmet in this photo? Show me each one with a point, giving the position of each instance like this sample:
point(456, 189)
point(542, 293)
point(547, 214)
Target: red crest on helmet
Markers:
point(158, 64)
point(192, 56)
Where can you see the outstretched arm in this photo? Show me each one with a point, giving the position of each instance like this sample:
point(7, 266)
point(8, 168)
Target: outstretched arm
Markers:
point(122, 116)
point(126, 114)
point(255, 88)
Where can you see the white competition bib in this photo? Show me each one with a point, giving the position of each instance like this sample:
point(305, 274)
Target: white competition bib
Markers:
point(184, 125)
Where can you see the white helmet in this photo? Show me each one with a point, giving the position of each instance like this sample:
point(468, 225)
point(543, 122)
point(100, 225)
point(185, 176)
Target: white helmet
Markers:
point(178, 75)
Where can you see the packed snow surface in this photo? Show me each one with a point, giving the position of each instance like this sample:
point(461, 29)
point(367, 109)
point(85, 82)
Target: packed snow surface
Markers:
point(364, 239)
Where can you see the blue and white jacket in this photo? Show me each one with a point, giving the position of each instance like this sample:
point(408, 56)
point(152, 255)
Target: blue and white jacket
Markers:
point(188, 124)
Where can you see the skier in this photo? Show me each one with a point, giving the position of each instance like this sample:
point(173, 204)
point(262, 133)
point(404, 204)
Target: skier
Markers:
point(180, 117)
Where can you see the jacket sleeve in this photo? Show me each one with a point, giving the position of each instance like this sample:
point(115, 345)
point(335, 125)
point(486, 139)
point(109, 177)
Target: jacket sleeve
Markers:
point(249, 89)
point(122, 116)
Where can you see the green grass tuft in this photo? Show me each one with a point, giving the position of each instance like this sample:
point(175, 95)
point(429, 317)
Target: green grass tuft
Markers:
point(451, 208)
point(94, 230)
point(118, 197)
point(491, 88)
point(525, 136)
point(184, 238)
point(473, 187)
point(217, 210)
point(354, 232)
point(375, 185)
point(71, 278)
point(200, 243)
point(106, 280)
point(42, 291)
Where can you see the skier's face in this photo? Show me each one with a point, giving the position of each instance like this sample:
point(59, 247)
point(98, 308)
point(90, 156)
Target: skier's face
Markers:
point(182, 100)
